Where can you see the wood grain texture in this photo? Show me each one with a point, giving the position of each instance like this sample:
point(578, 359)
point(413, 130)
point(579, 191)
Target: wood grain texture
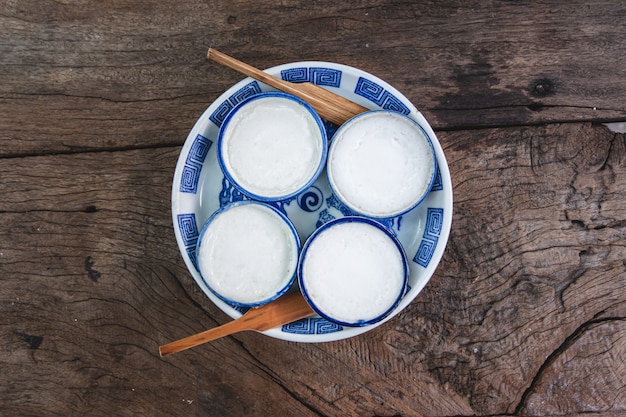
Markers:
point(525, 316)
point(539, 229)
point(78, 76)
point(90, 275)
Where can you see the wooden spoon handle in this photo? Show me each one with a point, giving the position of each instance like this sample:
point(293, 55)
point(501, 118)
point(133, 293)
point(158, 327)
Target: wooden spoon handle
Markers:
point(286, 309)
point(327, 104)
point(200, 338)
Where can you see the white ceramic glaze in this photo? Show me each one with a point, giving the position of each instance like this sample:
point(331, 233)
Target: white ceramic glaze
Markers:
point(199, 189)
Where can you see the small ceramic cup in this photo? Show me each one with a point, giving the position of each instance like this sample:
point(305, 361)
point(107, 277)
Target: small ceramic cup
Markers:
point(272, 146)
point(381, 164)
point(353, 271)
point(248, 253)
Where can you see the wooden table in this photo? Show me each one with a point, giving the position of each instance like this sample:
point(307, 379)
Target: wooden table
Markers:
point(525, 315)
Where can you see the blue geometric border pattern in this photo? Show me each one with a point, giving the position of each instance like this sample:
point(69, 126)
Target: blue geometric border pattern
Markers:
point(316, 75)
point(223, 109)
point(432, 231)
point(193, 164)
point(295, 75)
point(189, 233)
point(325, 76)
point(377, 94)
point(438, 183)
point(313, 325)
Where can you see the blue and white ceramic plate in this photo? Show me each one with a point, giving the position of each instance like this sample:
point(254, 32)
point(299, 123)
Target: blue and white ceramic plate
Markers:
point(199, 189)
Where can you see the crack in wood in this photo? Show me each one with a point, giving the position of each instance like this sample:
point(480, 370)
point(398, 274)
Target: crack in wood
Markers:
point(267, 371)
point(567, 343)
point(93, 150)
point(39, 94)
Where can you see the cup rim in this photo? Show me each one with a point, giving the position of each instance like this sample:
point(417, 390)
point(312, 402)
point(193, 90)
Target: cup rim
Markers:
point(337, 137)
point(294, 234)
point(220, 145)
point(336, 222)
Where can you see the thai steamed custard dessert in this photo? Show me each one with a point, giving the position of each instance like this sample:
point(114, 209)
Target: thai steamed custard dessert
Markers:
point(353, 272)
point(272, 146)
point(381, 164)
point(248, 253)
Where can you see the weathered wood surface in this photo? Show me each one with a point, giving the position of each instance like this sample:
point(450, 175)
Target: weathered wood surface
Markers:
point(134, 73)
point(526, 314)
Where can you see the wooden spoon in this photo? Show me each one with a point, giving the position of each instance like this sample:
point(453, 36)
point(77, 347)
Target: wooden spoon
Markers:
point(286, 309)
point(327, 104)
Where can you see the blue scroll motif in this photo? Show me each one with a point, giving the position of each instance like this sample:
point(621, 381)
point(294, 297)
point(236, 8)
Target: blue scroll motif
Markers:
point(316, 75)
point(312, 325)
point(189, 233)
point(223, 109)
point(378, 95)
point(311, 200)
point(193, 164)
point(432, 231)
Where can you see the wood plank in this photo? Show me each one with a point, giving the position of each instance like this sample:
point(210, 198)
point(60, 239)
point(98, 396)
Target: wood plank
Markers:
point(537, 254)
point(122, 74)
point(93, 283)
point(530, 294)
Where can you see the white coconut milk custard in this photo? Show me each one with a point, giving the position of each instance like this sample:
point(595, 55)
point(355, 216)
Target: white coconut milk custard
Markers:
point(272, 146)
point(353, 271)
point(381, 164)
point(247, 253)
